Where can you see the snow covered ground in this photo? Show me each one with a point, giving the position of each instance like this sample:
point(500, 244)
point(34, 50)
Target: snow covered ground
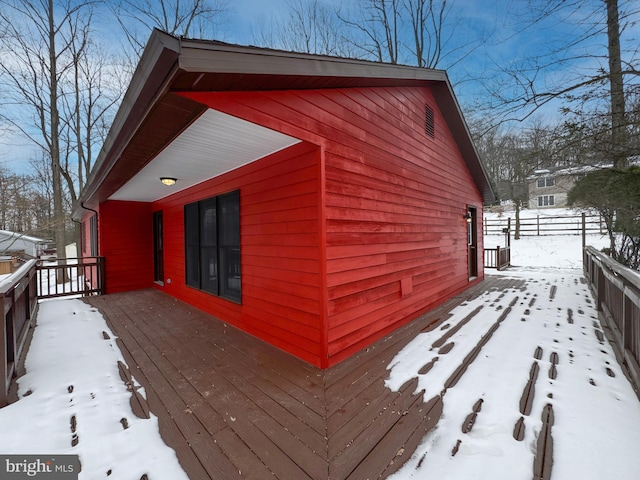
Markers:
point(72, 400)
point(552, 324)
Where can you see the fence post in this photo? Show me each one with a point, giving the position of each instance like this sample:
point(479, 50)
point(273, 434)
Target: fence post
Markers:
point(601, 287)
point(4, 371)
point(584, 231)
point(538, 223)
point(626, 322)
point(498, 258)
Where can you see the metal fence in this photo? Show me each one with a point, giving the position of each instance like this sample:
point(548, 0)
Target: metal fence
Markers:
point(617, 293)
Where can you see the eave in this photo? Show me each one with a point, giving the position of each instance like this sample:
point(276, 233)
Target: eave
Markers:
point(151, 116)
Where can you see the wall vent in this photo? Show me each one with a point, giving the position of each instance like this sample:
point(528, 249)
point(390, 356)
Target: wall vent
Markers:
point(429, 128)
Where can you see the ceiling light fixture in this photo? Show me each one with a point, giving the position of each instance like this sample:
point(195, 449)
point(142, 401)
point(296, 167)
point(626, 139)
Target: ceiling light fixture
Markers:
point(168, 181)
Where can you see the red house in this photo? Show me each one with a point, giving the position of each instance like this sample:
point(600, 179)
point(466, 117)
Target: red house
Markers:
point(317, 203)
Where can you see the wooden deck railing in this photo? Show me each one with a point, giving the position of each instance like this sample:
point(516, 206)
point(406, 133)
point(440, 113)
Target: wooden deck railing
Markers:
point(20, 292)
point(499, 257)
point(617, 293)
point(18, 295)
point(80, 276)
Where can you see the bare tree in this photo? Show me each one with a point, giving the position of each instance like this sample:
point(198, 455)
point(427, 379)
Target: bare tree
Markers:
point(616, 86)
point(95, 88)
point(176, 17)
point(42, 194)
point(588, 52)
point(512, 157)
point(22, 207)
point(377, 26)
point(428, 27)
point(66, 85)
point(35, 54)
point(308, 26)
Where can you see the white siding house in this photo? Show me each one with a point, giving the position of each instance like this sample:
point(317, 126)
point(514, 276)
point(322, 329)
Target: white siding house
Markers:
point(17, 242)
point(549, 188)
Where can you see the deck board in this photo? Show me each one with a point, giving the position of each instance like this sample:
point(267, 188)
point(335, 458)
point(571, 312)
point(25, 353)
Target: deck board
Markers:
point(233, 406)
point(181, 431)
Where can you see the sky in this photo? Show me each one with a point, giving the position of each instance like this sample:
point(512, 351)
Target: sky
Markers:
point(72, 372)
point(482, 36)
point(485, 38)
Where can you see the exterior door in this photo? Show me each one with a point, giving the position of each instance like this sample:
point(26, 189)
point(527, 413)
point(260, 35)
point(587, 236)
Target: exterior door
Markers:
point(158, 248)
point(472, 241)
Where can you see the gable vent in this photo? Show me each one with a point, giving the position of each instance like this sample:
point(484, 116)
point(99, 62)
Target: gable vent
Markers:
point(429, 121)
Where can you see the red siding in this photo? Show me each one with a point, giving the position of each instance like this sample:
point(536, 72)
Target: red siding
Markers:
point(280, 250)
point(395, 200)
point(125, 240)
point(405, 202)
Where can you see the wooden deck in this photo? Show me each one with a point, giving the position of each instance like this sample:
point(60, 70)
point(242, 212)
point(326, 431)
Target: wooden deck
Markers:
point(234, 407)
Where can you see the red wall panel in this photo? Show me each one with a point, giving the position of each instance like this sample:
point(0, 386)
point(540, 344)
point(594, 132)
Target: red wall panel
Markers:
point(125, 240)
point(280, 250)
point(394, 198)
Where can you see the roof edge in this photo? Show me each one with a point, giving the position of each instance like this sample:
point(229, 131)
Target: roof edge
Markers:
point(452, 112)
point(157, 66)
point(194, 53)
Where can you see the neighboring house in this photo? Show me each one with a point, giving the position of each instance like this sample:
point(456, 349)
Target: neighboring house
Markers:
point(19, 242)
point(317, 203)
point(548, 188)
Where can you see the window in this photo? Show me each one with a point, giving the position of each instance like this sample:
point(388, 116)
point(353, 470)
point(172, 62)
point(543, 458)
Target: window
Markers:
point(546, 201)
point(545, 182)
point(212, 245)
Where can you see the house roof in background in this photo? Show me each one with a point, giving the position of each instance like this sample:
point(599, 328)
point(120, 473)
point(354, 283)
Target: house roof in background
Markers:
point(152, 116)
point(563, 170)
point(5, 234)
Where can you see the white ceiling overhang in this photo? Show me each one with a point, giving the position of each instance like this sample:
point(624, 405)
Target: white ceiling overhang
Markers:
point(214, 144)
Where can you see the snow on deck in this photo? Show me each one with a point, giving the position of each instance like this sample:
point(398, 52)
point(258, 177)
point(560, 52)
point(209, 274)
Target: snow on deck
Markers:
point(73, 401)
point(548, 333)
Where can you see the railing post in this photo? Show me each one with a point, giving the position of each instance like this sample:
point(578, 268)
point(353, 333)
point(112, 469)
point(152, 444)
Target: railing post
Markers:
point(102, 274)
point(625, 331)
point(4, 368)
point(600, 289)
point(498, 264)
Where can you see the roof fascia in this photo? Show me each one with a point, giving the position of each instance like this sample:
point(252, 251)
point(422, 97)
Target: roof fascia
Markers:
point(197, 56)
point(151, 79)
point(452, 113)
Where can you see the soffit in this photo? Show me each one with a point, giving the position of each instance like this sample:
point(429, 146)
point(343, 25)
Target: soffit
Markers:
point(214, 144)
